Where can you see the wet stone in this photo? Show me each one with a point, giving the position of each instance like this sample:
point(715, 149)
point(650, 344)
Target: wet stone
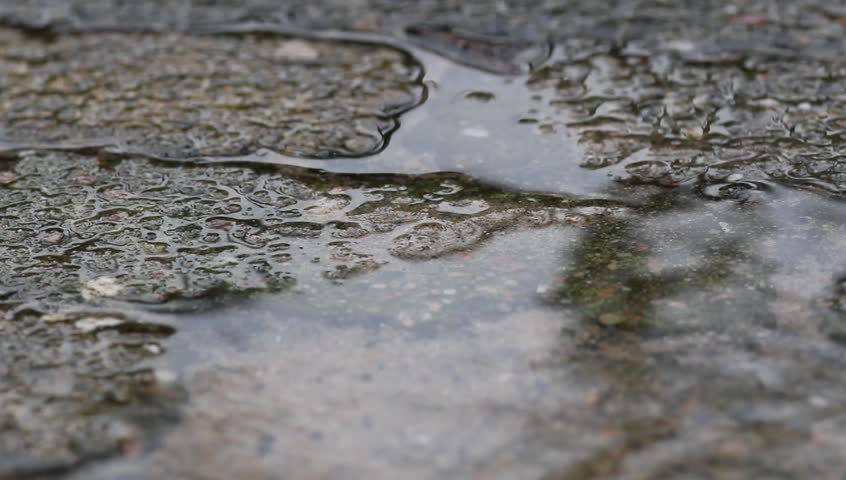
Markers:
point(74, 392)
point(76, 231)
point(179, 95)
point(684, 25)
point(752, 89)
point(696, 333)
point(666, 115)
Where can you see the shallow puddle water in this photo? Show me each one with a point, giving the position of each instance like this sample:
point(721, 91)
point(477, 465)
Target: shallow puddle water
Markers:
point(447, 250)
point(471, 123)
point(688, 345)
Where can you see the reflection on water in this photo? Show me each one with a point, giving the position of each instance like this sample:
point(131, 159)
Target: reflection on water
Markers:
point(504, 360)
point(738, 364)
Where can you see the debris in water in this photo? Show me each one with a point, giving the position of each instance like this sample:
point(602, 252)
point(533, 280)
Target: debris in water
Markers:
point(92, 324)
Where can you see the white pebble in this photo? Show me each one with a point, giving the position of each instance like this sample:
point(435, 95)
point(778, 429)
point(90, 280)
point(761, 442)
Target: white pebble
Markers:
point(100, 287)
point(91, 324)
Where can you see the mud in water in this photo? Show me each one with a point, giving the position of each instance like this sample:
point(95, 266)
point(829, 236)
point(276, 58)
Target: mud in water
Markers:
point(422, 239)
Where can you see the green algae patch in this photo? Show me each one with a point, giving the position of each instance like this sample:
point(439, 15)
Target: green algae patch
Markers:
point(616, 275)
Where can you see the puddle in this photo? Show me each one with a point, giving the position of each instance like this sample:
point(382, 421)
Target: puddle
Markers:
point(502, 362)
point(376, 388)
point(455, 132)
point(621, 262)
point(107, 258)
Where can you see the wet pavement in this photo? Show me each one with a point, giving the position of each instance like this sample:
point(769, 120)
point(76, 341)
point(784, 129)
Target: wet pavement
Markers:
point(392, 239)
